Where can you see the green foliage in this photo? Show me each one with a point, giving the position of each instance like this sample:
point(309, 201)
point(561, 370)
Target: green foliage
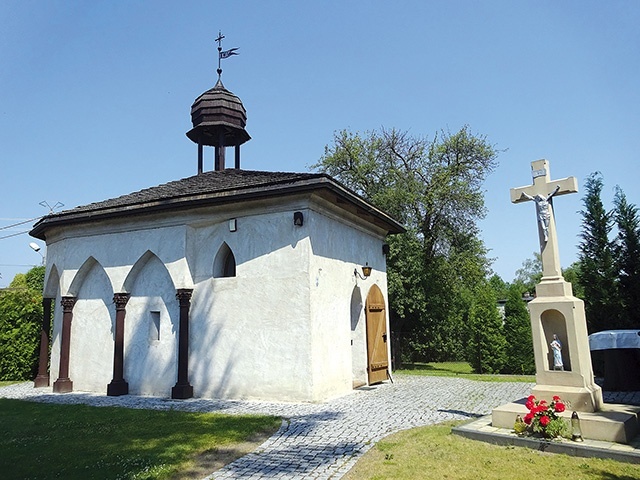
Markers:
point(627, 258)
point(598, 271)
point(80, 442)
point(517, 331)
point(20, 323)
point(34, 278)
point(486, 341)
point(572, 275)
point(499, 287)
point(433, 187)
point(529, 275)
point(608, 271)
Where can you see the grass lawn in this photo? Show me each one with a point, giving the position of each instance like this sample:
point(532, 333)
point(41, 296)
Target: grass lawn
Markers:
point(459, 369)
point(434, 452)
point(81, 442)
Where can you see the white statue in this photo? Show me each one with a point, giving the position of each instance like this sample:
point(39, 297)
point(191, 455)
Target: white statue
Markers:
point(556, 346)
point(543, 207)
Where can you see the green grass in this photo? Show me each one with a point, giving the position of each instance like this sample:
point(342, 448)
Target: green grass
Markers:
point(459, 369)
point(434, 452)
point(81, 442)
point(4, 383)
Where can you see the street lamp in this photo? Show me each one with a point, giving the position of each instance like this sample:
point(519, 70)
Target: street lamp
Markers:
point(36, 248)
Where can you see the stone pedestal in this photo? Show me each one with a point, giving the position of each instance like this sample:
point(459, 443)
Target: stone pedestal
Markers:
point(555, 311)
point(614, 423)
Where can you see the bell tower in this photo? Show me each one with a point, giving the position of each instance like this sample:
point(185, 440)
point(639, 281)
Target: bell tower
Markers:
point(218, 119)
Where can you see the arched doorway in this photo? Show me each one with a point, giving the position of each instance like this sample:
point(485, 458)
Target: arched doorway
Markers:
point(377, 351)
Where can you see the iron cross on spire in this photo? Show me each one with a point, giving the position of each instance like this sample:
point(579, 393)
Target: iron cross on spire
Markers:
point(541, 192)
point(221, 54)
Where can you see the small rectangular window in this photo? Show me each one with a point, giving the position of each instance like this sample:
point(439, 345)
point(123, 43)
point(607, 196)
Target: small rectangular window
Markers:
point(155, 326)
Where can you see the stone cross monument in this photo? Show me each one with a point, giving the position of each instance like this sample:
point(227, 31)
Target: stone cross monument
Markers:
point(558, 323)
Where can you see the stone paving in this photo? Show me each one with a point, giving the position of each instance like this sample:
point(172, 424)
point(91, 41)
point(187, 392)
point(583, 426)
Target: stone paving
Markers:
point(323, 441)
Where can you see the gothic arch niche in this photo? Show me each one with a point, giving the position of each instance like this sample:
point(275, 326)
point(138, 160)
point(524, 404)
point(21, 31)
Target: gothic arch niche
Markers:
point(52, 284)
point(554, 323)
point(91, 348)
point(358, 340)
point(224, 265)
point(151, 328)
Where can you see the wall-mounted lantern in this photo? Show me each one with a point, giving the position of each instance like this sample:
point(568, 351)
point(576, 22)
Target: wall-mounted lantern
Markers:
point(366, 271)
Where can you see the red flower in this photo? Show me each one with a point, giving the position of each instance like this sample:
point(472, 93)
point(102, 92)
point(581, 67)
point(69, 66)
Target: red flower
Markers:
point(559, 407)
point(531, 402)
point(544, 420)
point(556, 398)
point(527, 418)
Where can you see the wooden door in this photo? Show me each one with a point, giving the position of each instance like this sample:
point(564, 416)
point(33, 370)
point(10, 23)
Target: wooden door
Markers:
point(378, 360)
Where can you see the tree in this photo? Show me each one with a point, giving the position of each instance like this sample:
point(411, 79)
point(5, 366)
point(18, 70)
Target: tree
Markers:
point(20, 323)
point(598, 273)
point(499, 286)
point(572, 275)
point(530, 274)
point(627, 259)
point(486, 340)
point(433, 187)
point(517, 332)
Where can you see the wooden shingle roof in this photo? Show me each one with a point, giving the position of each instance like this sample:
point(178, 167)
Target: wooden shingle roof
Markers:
point(218, 187)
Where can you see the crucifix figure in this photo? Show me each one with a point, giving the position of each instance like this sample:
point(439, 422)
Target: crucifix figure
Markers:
point(541, 192)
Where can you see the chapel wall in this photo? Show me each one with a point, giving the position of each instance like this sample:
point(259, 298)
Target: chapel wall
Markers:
point(339, 348)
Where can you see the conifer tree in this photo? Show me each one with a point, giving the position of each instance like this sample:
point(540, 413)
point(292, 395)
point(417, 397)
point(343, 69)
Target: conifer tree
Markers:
point(517, 332)
point(598, 273)
point(627, 253)
point(486, 341)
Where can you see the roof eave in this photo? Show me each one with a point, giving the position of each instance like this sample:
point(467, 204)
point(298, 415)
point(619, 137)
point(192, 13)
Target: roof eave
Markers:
point(217, 198)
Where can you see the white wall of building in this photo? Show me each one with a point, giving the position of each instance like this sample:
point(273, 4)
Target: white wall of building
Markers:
point(281, 329)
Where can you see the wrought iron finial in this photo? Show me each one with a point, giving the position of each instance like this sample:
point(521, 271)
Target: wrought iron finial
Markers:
point(225, 54)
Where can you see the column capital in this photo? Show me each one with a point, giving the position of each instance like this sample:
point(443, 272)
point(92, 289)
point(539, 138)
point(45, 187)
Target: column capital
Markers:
point(68, 303)
point(184, 296)
point(121, 299)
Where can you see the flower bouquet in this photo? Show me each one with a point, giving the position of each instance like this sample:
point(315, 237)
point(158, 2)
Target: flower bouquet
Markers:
point(543, 418)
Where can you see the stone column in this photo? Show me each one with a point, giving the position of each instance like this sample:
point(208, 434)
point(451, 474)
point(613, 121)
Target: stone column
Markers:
point(182, 388)
point(42, 380)
point(63, 384)
point(118, 385)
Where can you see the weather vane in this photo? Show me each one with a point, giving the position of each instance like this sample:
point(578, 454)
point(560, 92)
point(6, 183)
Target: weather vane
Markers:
point(225, 54)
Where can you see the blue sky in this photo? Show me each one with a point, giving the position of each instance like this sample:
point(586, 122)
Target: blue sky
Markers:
point(95, 96)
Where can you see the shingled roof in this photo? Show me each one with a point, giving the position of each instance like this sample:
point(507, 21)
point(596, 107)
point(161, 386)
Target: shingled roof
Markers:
point(218, 187)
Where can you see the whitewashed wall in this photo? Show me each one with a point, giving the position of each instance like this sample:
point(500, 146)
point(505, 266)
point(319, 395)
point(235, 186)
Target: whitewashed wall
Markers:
point(282, 329)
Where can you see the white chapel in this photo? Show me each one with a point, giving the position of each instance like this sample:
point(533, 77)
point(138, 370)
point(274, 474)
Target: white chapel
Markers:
point(231, 283)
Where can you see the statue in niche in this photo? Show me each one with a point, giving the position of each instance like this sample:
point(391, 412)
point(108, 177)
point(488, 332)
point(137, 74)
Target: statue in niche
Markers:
point(543, 208)
point(556, 347)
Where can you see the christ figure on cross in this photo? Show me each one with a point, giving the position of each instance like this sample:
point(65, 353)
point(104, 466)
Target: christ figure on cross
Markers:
point(543, 208)
point(539, 193)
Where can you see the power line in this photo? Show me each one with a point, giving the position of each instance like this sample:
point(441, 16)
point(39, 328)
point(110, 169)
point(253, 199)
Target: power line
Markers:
point(19, 223)
point(14, 234)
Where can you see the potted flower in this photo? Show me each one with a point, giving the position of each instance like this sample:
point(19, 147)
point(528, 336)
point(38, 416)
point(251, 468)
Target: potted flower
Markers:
point(543, 418)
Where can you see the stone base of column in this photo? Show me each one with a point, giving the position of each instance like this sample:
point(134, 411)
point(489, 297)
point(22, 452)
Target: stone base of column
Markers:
point(117, 388)
point(182, 392)
point(41, 381)
point(62, 385)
